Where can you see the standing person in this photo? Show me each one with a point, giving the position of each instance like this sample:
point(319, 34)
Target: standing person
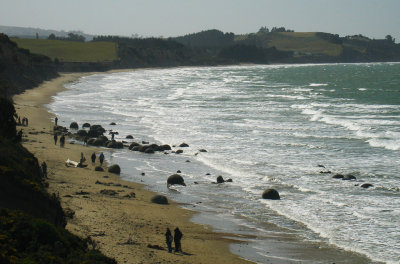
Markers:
point(169, 239)
point(101, 158)
point(93, 157)
point(44, 169)
point(56, 120)
point(55, 138)
point(26, 121)
point(62, 141)
point(177, 239)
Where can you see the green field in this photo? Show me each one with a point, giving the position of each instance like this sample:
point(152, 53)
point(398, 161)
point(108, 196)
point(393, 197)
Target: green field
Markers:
point(298, 42)
point(71, 51)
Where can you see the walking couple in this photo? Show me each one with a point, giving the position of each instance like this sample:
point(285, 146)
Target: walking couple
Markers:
point(177, 239)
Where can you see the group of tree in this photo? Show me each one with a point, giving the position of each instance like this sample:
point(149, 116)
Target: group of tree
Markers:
point(71, 37)
point(264, 30)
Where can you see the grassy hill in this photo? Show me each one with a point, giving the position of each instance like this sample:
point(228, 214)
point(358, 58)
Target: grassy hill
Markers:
point(301, 43)
point(70, 51)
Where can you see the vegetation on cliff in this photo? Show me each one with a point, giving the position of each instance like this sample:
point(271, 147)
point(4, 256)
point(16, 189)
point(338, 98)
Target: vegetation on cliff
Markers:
point(20, 69)
point(31, 220)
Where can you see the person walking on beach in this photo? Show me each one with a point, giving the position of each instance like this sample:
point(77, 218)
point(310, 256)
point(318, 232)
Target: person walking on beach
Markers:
point(169, 239)
point(44, 169)
point(55, 139)
point(62, 141)
point(93, 157)
point(177, 239)
point(56, 120)
point(101, 158)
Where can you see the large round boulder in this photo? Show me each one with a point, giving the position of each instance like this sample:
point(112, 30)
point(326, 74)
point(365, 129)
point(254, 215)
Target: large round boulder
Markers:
point(184, 145)
point(271, 194)
point(86, 125)
point(112, 124)
point(82, 133)
point(176, 179)
point(159, 199)
point(133, 144)
point(366, 185)
point(114, 169)
point(220, 179)
point(129, 137)
point(74, 125)
point(349, 177)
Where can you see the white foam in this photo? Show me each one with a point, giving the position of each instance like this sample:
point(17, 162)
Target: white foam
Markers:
point(318, 84)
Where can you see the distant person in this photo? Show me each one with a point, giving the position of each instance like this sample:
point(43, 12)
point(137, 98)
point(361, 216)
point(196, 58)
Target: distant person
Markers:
point(26, 121)
point(44, 169)
point(83, 159)
point(93, 157)
point(62, 141)
point(55, 139)
point(19, 120)
point(169, 239)
point(56, 120)
point(177, 239)
point(101, 158)
point(23, 121)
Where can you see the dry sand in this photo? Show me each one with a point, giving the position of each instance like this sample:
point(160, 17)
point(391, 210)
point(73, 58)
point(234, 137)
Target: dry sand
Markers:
point(122, 227)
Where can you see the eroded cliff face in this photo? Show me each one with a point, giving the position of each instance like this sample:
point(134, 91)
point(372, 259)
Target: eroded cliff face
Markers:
point(21, 70)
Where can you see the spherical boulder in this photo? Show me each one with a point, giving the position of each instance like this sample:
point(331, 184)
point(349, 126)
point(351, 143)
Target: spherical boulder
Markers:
point(176, 179)
point(184, 145)
point(81, 133)
point(129, 137)
point(133, 144)
point(165, 147)
point(114, 169)
point(366, 185)
point(338, 176)
point(98, 168)
point(349, 177)
point(74, 125)
point(86, 125)
point(112, 124)
point(179, 151)
point(271, 194)
point(220, 179)
point(159, 199)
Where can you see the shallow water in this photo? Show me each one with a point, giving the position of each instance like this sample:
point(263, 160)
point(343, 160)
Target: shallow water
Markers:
point(264, 127)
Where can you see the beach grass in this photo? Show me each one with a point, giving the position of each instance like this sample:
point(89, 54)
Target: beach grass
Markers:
point(71, 51)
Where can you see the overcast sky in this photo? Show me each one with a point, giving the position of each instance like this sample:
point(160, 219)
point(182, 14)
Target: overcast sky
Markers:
point(372, 18)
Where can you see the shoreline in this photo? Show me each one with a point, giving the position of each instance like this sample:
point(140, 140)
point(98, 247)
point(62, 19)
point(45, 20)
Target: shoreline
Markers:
point(129, 229)
point(277, 246)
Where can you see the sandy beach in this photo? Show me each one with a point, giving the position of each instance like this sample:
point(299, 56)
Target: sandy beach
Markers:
point(125, 225)
point(119, 216)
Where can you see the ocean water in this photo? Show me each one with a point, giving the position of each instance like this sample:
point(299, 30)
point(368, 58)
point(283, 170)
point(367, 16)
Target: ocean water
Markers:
point(263, 127)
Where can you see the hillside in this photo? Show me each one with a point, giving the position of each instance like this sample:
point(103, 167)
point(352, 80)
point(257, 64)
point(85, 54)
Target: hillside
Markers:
point(32, 222)
point(71, 51)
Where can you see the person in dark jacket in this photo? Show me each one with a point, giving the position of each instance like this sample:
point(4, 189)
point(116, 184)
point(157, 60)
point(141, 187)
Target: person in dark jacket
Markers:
point(169, 239)
point(177, 239)
point(62, 141)
point(101, 158)
point(55, 139)
point(93, 157)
